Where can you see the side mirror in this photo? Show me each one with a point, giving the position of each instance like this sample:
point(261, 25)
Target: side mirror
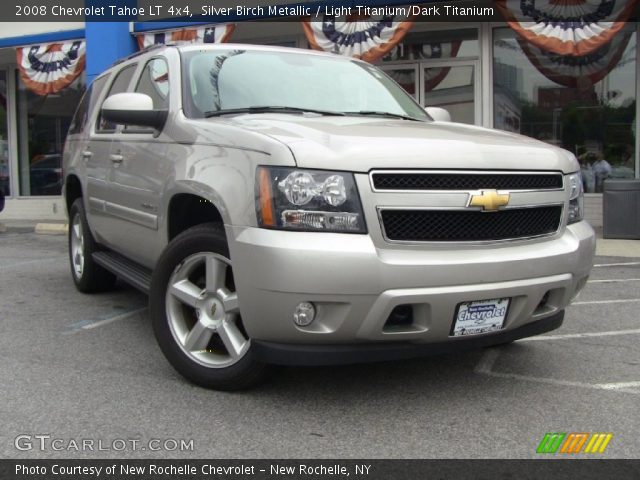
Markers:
point(133, 109)
point(438, 114)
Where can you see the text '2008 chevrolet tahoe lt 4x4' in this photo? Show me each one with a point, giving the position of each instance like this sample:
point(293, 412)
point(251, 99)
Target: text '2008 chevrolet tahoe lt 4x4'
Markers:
point(282, 206)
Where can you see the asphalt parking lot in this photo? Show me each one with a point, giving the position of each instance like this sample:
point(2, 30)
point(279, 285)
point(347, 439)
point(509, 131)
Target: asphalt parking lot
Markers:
point(87, 367)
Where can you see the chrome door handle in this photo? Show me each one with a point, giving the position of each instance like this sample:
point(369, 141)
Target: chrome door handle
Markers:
point(87, 154)
point(116, 158)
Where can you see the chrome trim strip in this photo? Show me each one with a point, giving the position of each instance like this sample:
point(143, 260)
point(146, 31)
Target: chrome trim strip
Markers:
point(467, 172)
point(136, 216)
point(96, 205)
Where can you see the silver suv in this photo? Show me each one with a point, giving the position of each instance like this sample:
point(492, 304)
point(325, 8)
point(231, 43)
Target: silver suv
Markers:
point(283, 206)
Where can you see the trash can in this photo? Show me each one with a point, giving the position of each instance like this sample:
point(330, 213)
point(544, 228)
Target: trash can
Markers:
point(621, 209)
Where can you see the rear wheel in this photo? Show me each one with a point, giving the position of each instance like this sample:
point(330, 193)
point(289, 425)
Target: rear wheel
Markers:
point(87, 275)
point(195, 312)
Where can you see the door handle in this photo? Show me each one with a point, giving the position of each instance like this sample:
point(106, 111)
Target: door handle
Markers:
point(87, 154)
point(116, 158)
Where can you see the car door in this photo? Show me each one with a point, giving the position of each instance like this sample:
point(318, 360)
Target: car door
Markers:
point(78, 152)
point(141, 165)
point(99, 164)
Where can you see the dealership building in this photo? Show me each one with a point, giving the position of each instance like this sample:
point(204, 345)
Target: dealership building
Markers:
point(492, 74)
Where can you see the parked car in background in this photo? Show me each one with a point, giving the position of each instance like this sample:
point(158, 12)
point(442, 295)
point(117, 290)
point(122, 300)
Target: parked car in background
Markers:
point(46, 174)
point(283, 206)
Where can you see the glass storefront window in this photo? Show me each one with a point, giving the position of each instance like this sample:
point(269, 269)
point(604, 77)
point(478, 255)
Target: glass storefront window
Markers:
point(43, 122)
point(440, 69)
point(436, 45)
point(585, 110)
point(5, 185)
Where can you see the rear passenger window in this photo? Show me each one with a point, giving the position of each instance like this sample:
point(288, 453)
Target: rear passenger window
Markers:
point(154, 81)
point(119, 85)
point(81, 117)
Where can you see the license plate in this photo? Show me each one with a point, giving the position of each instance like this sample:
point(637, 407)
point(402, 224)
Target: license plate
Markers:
point(480, 316)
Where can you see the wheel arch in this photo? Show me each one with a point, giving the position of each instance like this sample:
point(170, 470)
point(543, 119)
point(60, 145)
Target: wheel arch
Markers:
point(72, 190)
point(186, 210)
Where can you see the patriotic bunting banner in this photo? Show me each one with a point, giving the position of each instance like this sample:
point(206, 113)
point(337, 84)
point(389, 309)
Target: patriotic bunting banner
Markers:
point(567, 27)
point(217, 34)
point(367, 37)
point(577, 72)
point(46, 69)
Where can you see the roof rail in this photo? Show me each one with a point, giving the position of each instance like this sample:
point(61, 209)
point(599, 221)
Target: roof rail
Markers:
point(143, 51)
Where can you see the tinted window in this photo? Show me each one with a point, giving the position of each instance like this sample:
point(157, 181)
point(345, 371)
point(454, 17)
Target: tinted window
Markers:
point(119, 85)
point(79, 121)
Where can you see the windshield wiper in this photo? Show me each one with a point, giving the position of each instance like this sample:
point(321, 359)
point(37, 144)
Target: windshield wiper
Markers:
point(217, 113)
point(375, 113)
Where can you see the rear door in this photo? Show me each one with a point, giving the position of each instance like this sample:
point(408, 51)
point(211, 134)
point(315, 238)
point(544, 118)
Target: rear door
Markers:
point(99, 163)
point(78, 155)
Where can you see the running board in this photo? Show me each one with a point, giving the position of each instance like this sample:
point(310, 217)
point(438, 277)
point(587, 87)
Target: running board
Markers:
point(134, 274)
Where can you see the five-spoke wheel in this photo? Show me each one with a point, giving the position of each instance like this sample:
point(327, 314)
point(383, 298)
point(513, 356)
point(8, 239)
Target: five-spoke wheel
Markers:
point(203, 311)
point(196, 314)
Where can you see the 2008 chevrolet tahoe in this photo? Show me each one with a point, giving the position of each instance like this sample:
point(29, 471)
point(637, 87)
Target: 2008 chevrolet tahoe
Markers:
point(283, 206)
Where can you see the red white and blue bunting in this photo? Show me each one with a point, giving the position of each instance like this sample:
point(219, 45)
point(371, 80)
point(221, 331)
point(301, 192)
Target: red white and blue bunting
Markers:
point(366, 37)
point(50, 68)
point(567, 27)
point(216, 34)
point(577, 72)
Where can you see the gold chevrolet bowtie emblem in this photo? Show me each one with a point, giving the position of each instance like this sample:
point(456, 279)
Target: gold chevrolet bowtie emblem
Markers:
point(489, 200)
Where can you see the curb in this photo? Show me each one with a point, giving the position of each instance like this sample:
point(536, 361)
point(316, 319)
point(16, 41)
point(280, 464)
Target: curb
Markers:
point(51, 228)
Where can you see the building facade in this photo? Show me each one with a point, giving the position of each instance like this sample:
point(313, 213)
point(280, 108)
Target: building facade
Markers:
point(483, 73)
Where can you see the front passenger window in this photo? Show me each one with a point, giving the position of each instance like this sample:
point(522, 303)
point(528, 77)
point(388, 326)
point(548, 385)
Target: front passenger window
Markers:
point(154, 81)
point(119, 85)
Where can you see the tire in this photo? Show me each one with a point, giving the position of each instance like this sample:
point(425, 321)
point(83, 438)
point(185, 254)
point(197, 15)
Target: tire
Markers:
point(88, 276)
point(195, 314)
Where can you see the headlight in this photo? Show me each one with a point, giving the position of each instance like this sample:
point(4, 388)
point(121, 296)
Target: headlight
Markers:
point(311, 200)
point(576, 198)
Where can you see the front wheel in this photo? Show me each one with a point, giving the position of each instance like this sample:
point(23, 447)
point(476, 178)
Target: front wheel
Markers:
point(195, 312)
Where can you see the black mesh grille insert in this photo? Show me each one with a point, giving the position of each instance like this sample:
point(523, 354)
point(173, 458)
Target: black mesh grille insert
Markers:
point(466, 225)
point(466, 181)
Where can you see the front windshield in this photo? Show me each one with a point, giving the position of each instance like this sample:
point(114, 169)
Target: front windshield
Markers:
point(219, 80)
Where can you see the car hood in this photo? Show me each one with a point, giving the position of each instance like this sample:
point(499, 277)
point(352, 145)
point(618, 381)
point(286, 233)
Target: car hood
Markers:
point(361, 144)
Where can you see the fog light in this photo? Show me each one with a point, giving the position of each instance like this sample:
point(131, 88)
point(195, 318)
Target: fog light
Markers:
point(304, 314)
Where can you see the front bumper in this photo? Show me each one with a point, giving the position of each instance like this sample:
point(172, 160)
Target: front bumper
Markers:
point(356, 283)
point(315, 355)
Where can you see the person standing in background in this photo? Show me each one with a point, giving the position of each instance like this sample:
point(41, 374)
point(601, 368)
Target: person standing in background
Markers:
point(601, 170)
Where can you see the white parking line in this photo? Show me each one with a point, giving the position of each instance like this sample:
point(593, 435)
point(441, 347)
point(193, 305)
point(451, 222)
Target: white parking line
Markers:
point(594, 302)
point(622, 264)
point(89, 324)
point(581, 335)
point(615, 280)
point(27, 262)
point(619, 385)
point(487, 362)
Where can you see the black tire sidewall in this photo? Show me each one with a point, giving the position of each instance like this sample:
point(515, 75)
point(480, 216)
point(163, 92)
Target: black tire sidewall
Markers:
point(200, 239)
point(94, 278)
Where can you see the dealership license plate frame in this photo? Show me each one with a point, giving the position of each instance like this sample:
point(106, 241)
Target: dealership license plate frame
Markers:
point(502, 318)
